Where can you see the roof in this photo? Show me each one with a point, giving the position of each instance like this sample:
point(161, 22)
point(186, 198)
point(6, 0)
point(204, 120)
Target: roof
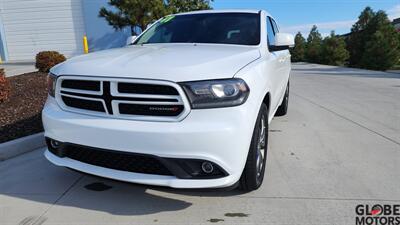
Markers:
point(396, 21)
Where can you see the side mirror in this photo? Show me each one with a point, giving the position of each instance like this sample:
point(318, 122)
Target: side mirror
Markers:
point(283, 41)
point(130, 40)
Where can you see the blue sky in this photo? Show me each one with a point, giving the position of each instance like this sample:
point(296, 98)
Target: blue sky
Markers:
point(300, 15)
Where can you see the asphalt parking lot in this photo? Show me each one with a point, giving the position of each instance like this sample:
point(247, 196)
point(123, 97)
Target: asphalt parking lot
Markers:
point(339, 146)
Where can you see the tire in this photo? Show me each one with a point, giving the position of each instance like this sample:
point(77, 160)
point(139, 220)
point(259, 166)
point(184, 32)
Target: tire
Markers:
point(253, 173)
point(283, 108)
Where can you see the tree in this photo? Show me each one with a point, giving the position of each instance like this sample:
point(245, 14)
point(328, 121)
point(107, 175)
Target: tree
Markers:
point(138, 13)
point(177, 6)
point(363, 20)
point(299, 50)
point(333, 50)
point(374, 42)
point(358, 37)
point(313, 46)
point(133, 13)
point(382, 48)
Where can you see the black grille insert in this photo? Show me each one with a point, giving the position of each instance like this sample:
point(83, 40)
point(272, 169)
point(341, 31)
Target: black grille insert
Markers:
point(130, 162)
point(86, 85)
point(83, 104)
point(153, 89)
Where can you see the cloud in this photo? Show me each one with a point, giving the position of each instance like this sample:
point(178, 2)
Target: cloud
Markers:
point(325, 28)
point(394, 12)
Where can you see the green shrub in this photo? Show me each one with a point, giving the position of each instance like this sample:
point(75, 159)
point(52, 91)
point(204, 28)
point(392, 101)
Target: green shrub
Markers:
point(4, 86)
point(333, 50)
point(374, 42)
point(47, 59)
point(313, 46)
point(299, 50)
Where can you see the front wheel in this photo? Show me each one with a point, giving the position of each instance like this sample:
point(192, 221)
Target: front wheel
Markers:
point(253, 173)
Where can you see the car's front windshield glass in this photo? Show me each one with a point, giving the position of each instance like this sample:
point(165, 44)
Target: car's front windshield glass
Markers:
point(214, 28)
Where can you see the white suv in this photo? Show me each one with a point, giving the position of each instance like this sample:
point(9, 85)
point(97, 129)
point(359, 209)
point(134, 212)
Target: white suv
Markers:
point(187, 104)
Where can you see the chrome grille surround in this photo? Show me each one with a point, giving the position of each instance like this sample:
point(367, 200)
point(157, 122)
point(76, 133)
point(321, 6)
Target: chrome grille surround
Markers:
point(113, 111)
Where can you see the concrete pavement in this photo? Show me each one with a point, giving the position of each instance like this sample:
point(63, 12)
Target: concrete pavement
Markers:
point(339, 146)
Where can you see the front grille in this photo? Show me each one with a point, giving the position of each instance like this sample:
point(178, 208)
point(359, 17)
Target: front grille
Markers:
point(130, 162)
point(122, 98)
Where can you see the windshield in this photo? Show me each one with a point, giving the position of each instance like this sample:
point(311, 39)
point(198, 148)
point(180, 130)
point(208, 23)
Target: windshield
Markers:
point(214, 28)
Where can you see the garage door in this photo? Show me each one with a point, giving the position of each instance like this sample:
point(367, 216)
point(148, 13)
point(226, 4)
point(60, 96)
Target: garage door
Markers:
point(31, 26)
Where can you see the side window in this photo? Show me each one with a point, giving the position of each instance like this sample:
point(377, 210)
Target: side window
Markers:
point(270, 32)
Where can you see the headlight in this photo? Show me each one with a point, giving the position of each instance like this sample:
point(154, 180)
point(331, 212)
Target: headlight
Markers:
point(51, 84)
point(216, 93)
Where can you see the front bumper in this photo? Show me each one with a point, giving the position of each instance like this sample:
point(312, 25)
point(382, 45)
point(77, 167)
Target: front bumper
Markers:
point(221, 136)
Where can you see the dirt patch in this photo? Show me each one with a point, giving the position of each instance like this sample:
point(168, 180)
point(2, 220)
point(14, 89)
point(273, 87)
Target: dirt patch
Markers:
point(20, 115)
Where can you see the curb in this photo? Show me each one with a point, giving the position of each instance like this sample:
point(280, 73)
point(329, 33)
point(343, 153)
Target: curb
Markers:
point(20, 146)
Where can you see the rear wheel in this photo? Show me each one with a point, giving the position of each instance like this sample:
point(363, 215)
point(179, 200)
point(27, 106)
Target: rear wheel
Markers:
point(253, 173)
point(283, 108)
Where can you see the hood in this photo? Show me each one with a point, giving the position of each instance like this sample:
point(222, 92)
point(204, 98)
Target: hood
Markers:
point(174, 62)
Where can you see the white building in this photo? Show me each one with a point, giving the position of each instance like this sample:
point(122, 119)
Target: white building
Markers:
point(30, 26)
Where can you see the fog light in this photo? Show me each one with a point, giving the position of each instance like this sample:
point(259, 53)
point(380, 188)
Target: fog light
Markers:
point(207, 167)
point(55, 144)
